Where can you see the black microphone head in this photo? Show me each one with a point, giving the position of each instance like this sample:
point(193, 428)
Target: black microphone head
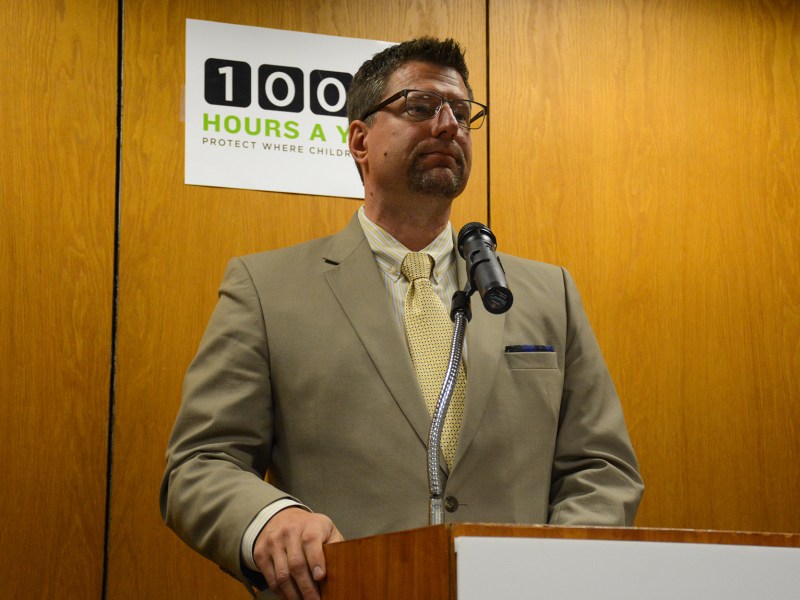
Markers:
point(476, 245)
point(471, 229)
point(497, 299)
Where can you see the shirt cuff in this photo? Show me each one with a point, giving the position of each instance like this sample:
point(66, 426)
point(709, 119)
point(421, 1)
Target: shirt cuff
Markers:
point(258, 523)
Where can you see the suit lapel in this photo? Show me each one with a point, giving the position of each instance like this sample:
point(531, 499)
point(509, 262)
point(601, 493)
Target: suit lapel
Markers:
point(484, 349)
point(355, 280)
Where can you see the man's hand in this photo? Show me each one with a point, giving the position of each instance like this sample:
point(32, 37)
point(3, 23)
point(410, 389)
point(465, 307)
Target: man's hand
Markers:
point(288, 551)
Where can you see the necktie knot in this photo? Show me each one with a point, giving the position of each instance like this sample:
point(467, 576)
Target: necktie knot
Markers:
point(417, 265)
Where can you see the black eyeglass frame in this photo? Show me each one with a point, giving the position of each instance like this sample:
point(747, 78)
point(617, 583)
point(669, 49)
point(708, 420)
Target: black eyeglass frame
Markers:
point(481, 114)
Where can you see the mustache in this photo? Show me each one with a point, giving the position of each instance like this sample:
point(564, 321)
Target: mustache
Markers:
point(430, 147)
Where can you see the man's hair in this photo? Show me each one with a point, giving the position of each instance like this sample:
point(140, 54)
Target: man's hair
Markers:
point(369, 83)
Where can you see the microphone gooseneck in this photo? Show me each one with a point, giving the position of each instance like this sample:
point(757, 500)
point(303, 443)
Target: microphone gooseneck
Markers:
point(476, 244)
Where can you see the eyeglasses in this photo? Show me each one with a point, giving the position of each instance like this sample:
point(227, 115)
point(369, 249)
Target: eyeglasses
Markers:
point(421, 105)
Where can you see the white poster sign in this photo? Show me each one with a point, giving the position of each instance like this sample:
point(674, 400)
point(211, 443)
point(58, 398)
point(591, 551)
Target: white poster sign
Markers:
point(265, 108)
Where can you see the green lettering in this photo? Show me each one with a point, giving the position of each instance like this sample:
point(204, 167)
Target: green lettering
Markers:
point(343, 131)
point(248, 129)
point(207, 122)
point(237, 124)
point(317, 132)
point(291, 129)
point(272, 126)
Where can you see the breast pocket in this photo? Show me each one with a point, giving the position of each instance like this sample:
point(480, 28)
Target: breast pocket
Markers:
point(536, 376)
point(532, 360)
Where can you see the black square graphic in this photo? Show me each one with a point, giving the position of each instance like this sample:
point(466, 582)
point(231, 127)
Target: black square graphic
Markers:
point(280, 88)
point(227, 82)
point(328, 93)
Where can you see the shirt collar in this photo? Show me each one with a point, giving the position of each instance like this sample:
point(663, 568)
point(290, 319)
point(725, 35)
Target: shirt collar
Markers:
point(389, 253)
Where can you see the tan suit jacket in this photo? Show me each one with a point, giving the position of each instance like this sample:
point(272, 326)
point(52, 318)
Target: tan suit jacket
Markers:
point(305, 372)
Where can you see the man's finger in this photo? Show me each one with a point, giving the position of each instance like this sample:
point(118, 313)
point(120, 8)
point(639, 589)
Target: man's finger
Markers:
point(300, 569)
point(312, 547)
point(282, 583)
point(288, 551)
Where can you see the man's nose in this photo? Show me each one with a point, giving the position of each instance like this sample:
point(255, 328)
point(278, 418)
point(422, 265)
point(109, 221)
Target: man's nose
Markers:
point(445, 122)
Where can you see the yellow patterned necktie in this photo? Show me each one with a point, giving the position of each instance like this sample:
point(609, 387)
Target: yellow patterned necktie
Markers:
point(430, 332)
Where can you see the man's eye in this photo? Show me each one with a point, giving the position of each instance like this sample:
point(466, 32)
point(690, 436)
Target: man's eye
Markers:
point(421, 108)
point(461, 112)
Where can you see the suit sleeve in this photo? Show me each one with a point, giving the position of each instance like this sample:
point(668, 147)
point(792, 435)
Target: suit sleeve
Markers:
point(219, 450)
point(595, 476)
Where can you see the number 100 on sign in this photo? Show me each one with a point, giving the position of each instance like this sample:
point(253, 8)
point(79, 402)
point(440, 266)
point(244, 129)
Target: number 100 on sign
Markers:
point(279, 88)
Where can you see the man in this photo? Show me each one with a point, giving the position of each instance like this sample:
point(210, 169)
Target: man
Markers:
point(306, 369)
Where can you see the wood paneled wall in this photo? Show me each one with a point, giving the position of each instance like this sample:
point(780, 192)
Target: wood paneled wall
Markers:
point(57, 188)
point(659, 144)
point(650, 147)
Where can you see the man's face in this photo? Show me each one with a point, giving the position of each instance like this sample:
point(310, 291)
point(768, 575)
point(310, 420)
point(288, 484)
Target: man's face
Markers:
point(431, 157)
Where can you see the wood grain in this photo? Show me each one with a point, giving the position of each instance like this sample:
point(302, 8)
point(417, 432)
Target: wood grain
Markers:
point(652, 148)
point(56, 257)
point(421, 564)
point(177, 239)
point(412, 565)
point(660, 145)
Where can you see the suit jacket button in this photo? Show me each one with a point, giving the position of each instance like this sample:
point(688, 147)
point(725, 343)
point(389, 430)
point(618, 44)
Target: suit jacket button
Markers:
point(451, 504)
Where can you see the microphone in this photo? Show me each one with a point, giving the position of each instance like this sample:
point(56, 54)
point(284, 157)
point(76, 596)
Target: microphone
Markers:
point(476, 245)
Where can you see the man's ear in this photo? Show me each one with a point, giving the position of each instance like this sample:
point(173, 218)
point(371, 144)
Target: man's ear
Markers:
point(357, 142)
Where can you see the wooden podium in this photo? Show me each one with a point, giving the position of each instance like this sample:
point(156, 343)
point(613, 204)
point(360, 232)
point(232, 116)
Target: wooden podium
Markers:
point(422, 564)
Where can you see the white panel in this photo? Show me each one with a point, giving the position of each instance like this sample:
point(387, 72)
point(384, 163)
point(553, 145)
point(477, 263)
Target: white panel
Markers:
point(514, 568)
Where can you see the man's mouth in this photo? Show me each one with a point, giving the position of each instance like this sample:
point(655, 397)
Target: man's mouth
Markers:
point(441, 157)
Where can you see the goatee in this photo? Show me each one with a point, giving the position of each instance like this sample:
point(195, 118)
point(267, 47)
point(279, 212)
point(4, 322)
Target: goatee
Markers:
point(437, 181)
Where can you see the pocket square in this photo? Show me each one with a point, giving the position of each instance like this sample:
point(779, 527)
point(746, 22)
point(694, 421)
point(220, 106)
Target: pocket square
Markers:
point(529, 348)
